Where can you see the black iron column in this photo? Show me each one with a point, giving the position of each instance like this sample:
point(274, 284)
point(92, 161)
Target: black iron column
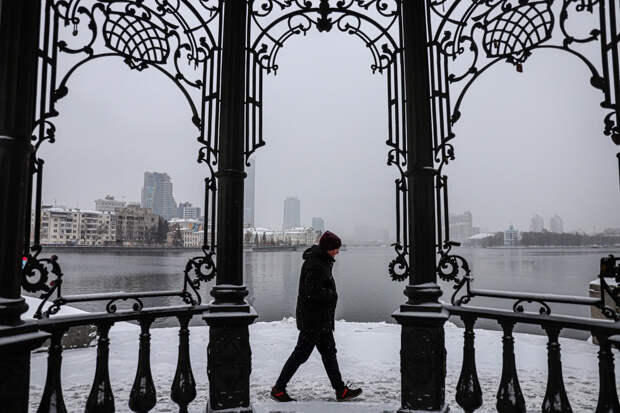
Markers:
point(423, 354)
point(19, 35)
point(229, 355)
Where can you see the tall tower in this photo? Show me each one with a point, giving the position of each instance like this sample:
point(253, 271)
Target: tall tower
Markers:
point(157, 194)
point(318, 224)
point(556, 224)
point(292, 207)
point(537, 224)
point(248, 196)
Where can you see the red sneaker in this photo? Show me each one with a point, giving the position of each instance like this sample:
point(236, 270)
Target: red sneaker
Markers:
point(347, 394)
point(281, 395)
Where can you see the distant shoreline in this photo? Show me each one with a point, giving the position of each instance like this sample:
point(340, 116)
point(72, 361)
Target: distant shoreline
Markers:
point(88, 248)
point(159, 249)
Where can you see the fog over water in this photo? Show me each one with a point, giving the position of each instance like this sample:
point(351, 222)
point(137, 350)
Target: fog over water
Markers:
point(527, 143)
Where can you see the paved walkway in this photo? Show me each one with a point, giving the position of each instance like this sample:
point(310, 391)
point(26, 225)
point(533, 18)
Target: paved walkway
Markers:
point(323, 407)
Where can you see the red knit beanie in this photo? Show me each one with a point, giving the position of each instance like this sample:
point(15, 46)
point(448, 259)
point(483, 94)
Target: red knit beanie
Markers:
point(329, 241)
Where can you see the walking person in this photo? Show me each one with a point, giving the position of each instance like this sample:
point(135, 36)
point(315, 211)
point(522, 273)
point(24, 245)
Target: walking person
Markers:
point(316, 305)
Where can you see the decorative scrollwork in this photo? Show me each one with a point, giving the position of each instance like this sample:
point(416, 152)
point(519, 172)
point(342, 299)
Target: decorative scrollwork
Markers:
point(204, 270)
point(455, 268)
point(111, 307)
point(36, 272)
point(292, 18)
point(399, 267)
point(450, 266)
point(469, 38)
point(177, 38)
point(544, 309)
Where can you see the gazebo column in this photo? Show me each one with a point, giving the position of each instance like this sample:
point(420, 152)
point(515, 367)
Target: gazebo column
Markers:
point(229, 356)
point(423, 353)
point(19, 36)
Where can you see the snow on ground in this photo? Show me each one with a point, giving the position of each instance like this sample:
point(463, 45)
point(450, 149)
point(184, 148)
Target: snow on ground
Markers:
point(368, 354)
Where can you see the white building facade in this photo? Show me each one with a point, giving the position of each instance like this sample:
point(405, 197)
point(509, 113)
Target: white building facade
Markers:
point(72, 226)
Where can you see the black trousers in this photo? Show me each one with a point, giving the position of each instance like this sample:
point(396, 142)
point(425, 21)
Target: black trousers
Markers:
point(306, 342)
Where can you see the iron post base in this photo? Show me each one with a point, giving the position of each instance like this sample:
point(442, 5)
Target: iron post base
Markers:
point(422, 358)
point(229, 357)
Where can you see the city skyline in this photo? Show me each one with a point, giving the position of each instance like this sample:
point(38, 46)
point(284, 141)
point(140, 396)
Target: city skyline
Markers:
point(502, 174)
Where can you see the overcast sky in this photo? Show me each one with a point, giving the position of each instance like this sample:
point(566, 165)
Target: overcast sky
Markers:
point(527, 143)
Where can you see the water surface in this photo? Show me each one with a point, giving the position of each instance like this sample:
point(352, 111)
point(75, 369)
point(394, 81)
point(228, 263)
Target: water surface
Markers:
point(365, 290)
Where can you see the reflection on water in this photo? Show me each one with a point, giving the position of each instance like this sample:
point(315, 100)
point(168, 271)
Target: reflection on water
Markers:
point(365, 290)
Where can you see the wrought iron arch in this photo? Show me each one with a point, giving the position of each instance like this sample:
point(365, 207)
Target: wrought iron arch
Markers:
point(178, 38)
point(485, 34)
point(377, 23)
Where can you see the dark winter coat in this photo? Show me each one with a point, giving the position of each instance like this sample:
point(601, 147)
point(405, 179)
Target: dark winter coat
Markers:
point(316, 302)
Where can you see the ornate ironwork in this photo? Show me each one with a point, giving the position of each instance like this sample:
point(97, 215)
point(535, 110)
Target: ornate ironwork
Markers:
point(543, 310)
point(137, 305)
point(204, 270)
point(450, 266)
point(377, 24)
point(177, 38)
point(468, 39)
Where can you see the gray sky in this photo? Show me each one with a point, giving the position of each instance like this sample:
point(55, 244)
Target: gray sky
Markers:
point(526, 143)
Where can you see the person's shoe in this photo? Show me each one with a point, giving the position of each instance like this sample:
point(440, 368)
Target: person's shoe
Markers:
point(347, 394)
point(280, 395)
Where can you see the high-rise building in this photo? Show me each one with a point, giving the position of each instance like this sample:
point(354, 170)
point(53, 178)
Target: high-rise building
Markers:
point(186, 210)
point(108, 204)
point(537, 224)
point(248, 195)
point(461, 226)
point(157, 194)
point(318, 224)
point(556, 224)
point(292, 215)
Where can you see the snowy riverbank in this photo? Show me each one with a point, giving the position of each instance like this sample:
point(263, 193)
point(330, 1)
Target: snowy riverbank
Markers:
point(368, 354)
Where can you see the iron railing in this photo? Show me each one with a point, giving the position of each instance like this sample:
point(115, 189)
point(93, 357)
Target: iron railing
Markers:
point(510, 397)
point(143, 395)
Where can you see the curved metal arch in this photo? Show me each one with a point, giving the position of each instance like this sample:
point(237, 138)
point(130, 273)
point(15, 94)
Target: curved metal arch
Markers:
point(63, 89)
point(483, 33)
point(595, 80)
point(141, 35)
point(262, 52)
point(382, 56)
